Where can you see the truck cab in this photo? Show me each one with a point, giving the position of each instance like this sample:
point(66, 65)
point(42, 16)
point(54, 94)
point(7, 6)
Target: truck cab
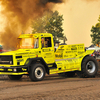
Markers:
point(41, 45)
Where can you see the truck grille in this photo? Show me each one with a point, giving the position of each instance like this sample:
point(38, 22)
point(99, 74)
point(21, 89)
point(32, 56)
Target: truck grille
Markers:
point(6, 59)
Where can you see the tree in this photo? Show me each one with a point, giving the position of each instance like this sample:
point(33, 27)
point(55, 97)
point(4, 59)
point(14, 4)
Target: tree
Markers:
point(96, 33)
point(54, 25)
point(50, 22)
point(38, 26)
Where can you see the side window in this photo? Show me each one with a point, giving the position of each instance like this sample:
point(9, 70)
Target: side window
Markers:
point(46, 42)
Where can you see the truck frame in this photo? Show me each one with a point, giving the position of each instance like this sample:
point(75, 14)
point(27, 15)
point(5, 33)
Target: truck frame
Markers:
point(36, 57)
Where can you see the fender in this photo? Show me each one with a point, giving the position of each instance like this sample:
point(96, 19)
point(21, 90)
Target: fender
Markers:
point(31, 61)
point(87, 53)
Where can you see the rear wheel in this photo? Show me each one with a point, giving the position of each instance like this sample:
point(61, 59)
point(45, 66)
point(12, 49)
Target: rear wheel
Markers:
point(37, 72)
point(14, 77)
point(89, 67)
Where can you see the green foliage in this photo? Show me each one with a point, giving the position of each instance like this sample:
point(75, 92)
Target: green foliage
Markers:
point(51, 22)
point(96, 33)
point(54, 25)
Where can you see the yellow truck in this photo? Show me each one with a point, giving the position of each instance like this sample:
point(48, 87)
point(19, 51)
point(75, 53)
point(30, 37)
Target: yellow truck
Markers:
point(36, 57)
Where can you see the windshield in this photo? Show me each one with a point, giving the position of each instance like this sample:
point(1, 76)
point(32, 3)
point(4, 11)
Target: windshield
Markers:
point(28, 43)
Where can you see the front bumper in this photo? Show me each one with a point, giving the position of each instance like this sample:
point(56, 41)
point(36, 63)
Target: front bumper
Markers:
point(15, 70)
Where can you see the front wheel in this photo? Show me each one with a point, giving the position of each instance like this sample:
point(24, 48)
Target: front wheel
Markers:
point(89, 67)
point(14, 77)
point(37, 72)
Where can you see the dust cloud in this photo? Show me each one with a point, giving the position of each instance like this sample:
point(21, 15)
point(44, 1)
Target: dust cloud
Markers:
point(19, 14)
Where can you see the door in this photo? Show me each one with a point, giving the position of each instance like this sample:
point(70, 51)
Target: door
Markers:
point(47, 50)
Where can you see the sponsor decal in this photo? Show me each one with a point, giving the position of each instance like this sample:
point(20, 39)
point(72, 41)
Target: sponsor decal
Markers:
point(74, 48)
point(61, 47)
point(45, 50)
point(24, 69)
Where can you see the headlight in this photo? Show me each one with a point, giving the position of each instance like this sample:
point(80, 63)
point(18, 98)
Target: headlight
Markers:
point(15, 70)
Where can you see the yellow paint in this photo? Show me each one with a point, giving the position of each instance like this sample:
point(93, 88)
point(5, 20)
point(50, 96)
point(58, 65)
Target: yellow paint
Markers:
point(10, 73)
point(10, 70)
point(1, 69)
point(24, 69)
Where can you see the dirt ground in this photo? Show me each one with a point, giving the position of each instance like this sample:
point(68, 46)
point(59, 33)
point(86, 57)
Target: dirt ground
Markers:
point(51, 88)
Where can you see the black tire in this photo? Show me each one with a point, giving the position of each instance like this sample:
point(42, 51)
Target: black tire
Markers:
point(37, 72)
point(89, 67)
point(14, 77)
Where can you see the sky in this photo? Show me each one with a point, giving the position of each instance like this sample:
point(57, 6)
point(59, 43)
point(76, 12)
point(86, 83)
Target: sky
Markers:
point(79, 17)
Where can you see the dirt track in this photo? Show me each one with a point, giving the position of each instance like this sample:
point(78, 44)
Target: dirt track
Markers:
point(51, 88)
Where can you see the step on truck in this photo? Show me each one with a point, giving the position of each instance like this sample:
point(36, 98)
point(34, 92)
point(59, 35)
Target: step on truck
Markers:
point(36, 57)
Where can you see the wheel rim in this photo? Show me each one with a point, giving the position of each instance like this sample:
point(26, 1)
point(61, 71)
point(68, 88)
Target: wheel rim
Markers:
point(39, 72)
point(90, 66)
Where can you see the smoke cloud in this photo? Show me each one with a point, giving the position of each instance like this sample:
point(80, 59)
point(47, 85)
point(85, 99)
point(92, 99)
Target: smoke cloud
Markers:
point(19, 14)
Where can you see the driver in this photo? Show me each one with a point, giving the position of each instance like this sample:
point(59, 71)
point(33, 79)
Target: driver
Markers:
point(42, 41)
